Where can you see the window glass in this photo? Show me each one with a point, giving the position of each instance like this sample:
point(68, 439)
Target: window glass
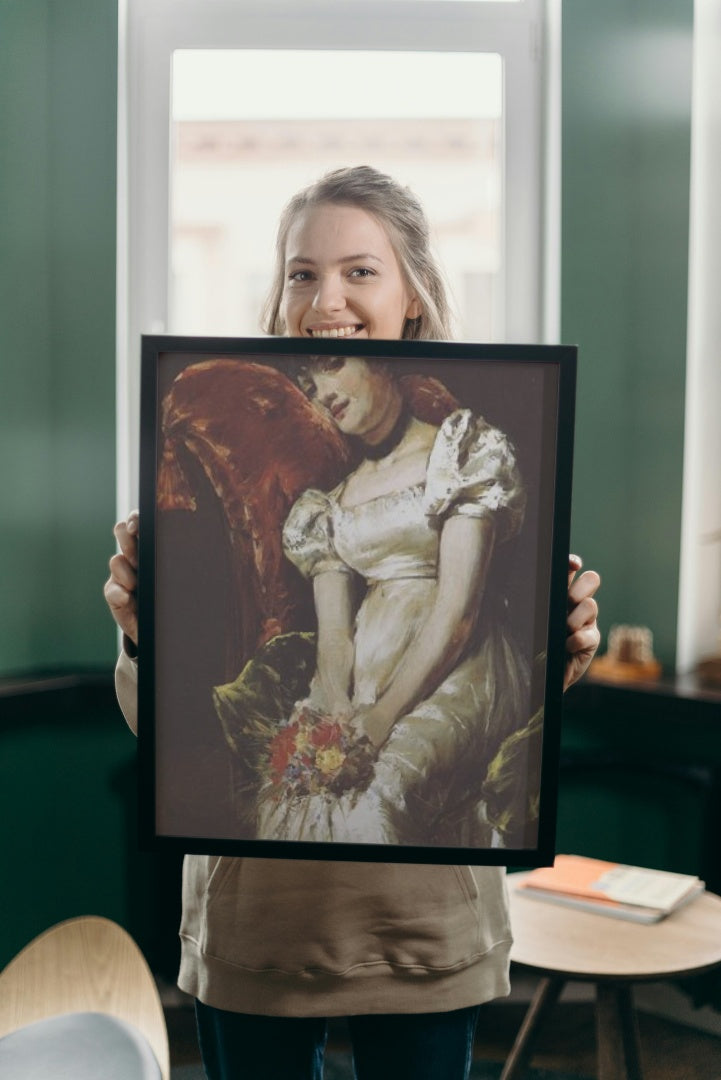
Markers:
point(251, 127)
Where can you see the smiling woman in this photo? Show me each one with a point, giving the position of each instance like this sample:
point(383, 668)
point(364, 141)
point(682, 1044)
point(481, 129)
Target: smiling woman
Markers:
point(353, 259)
point(339, 263)
point(414, 675)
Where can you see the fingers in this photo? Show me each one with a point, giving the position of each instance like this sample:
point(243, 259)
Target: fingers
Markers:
point(120, 600)
point(123, 607)
point(354, 724)
point(582, 607)
point(582, 634)
point(123, 572)
point(121, 587)
point(575, 562)
point(126, 534)
point(582, 587)
point(584, 641)
point(582, 613)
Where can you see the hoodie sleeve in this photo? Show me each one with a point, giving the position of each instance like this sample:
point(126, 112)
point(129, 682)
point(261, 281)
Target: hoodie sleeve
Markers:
point(126, 688)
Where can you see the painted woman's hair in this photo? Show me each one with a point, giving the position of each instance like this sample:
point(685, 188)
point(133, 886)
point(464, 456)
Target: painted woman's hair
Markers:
point(403, 217)
point(303, 371)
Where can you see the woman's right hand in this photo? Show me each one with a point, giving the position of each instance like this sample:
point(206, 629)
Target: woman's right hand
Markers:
point(121, 587)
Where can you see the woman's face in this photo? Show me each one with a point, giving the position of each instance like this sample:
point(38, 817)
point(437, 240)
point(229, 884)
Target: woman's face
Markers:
point(342, 277)
point(359, 397)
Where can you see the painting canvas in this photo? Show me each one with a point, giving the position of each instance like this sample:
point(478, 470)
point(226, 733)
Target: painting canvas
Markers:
point(284, 609)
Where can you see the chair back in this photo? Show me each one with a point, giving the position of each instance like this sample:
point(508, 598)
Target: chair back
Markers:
point(87, 964)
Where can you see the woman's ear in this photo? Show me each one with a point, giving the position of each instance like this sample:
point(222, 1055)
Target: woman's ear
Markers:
point(415, 309)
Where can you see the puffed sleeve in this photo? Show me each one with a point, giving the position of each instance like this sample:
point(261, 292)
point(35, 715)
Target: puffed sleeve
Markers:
point(472, 471)
point(308, 535)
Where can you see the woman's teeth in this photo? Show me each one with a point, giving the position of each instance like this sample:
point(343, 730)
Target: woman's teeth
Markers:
point(336, 332)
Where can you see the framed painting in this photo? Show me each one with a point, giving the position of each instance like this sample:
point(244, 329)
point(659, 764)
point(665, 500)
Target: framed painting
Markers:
point(352, 597)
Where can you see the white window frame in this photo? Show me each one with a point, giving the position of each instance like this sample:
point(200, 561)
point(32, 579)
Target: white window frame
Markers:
point(526, 34)
point(699, 597)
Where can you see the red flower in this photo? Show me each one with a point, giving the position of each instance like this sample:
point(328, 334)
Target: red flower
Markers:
point(282, 748)
point(326, 734)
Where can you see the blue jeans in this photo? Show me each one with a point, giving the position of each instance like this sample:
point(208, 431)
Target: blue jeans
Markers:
point(414, 1046)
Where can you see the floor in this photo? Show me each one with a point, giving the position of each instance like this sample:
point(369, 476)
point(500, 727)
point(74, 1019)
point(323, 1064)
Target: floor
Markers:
point(669, 1050)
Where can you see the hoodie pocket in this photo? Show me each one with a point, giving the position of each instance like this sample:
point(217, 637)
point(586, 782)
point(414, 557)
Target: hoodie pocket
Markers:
point(295, 916)
point(202, 875)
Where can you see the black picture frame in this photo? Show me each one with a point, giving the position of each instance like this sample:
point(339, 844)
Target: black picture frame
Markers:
point(226, 621)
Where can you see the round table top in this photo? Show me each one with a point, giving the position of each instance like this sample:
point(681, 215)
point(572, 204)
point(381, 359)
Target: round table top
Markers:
point(559, 940)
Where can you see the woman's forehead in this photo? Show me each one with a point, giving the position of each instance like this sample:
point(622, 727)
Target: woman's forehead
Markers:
point(313, 365)
point(336, 230)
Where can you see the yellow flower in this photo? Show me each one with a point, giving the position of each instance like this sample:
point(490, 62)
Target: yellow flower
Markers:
point(330, 759)
point(302, 739)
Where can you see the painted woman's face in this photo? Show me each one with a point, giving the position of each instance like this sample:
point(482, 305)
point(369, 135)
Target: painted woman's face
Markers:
point(342, 277)
point(359, 397)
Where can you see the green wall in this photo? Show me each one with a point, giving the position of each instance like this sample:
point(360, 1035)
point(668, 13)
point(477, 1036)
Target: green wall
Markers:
point(58, 73)
point(66, 758)
point(626, 145)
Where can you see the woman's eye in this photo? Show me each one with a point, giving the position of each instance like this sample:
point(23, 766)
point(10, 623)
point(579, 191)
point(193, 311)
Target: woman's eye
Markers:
point(299, 276)
point(362, 272)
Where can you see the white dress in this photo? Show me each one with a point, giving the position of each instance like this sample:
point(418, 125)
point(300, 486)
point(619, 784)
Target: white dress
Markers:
point(426, 780)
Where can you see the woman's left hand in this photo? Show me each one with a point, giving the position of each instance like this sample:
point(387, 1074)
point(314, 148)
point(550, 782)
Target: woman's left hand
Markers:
point(372, 723)
point(582, 633)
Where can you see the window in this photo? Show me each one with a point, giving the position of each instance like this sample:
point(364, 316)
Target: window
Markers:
point(236, 159)
point(227, 107)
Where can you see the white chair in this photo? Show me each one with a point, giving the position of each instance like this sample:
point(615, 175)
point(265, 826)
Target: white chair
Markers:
point(80, 1002)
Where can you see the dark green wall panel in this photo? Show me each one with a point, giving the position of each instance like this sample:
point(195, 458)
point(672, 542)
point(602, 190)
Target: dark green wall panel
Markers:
point(62, 788)
point(68, 801)
point(25, 401)
point(58, 78)
point(626, 144)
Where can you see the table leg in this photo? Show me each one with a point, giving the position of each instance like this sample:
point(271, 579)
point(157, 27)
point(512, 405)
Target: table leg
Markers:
point(545, 997)
point(617, 1033)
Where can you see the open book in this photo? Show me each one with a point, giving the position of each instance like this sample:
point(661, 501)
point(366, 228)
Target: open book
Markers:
point(608, 888)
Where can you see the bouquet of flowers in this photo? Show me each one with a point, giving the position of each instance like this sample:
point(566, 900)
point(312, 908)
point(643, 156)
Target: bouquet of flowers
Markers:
point(311, 754)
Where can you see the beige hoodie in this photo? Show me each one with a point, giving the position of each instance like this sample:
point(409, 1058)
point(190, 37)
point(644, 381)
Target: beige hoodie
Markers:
point(286, 937)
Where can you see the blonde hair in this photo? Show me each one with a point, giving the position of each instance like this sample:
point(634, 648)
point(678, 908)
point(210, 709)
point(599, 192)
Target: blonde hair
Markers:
point(403, 217)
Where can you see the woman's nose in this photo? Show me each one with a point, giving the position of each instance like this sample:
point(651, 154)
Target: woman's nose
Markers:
point(325, 390)
point(329, 295)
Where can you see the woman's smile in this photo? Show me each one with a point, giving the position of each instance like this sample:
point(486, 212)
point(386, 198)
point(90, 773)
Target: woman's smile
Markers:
point(342, 277)
point(335, 331)
point(338, 411)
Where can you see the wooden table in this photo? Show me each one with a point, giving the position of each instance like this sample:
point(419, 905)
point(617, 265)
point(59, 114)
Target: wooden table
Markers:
point(563, 944)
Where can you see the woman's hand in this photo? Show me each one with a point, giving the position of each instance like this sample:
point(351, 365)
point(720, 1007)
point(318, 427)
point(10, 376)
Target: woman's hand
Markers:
point(583, 635)
point(372, 723)
point(339, 711)
point(120, 589)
